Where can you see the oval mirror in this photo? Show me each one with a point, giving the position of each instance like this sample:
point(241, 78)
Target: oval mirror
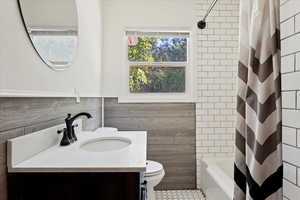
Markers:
point(53, 30)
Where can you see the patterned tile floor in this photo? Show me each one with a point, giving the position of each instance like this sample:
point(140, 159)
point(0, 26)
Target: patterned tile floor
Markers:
point(179, 195)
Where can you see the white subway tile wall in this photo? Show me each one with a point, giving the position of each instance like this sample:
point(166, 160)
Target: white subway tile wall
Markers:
point(290, 41)
point(217, 64)
point(288, 63)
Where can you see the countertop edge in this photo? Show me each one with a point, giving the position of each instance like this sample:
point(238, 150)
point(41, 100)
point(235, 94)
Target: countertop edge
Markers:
point(76, 170)
point(136, 168)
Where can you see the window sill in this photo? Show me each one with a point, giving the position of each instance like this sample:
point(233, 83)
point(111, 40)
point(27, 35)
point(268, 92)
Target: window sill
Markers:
point(156, 100)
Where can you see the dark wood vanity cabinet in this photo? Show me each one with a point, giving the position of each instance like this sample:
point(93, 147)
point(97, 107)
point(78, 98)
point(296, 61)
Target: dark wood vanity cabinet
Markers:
point(75, 186)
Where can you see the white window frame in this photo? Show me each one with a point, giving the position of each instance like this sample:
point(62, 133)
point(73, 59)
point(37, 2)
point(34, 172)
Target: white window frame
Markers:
point(187, 96)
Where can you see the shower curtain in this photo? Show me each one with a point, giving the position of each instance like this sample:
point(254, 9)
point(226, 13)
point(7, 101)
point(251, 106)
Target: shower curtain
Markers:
point(258, 167)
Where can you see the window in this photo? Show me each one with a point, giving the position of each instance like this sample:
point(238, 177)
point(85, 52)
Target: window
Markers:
point(158, 61)
point(55, 46)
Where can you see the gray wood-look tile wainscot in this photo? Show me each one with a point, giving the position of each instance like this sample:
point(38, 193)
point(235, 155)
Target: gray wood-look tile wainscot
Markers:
point(171, 136)
point(19, 116)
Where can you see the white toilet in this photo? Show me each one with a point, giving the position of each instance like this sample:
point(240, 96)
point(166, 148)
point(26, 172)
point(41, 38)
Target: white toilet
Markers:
point(153, 175)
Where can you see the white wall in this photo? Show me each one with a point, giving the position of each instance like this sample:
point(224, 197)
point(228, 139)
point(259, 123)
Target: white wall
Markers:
point(122, 14)
point(22, 71)
point(290, 40)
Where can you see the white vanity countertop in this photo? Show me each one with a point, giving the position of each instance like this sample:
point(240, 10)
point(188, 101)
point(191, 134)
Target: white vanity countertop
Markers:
point(73, 159)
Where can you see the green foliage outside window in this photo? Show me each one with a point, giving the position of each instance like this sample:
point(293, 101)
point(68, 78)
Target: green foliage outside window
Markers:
point(157, 79)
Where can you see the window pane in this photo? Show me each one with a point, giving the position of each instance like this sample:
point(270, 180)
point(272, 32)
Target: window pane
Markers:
point(151, 49)
point(147, 79)
point(55, 49)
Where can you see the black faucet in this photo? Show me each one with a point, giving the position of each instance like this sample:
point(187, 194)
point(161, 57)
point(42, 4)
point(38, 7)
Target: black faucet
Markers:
point(69, 132)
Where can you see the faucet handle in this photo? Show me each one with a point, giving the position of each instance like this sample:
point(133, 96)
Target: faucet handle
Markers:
point(61, 130)
point(69, 115)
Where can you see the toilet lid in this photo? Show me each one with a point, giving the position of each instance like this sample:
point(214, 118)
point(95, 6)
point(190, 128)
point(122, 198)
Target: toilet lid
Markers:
point(153, 168)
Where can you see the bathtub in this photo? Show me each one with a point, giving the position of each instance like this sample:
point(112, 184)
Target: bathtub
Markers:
point(216, 178)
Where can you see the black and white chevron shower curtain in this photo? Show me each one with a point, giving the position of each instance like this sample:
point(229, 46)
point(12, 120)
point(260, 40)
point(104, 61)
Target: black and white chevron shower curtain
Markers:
point(258, 167)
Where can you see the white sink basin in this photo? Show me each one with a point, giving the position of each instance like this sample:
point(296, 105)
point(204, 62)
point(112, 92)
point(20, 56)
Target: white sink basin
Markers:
point(104, 144)
point(106, 130)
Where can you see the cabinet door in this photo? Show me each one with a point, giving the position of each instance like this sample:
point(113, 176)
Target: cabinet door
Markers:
point(74, 186)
